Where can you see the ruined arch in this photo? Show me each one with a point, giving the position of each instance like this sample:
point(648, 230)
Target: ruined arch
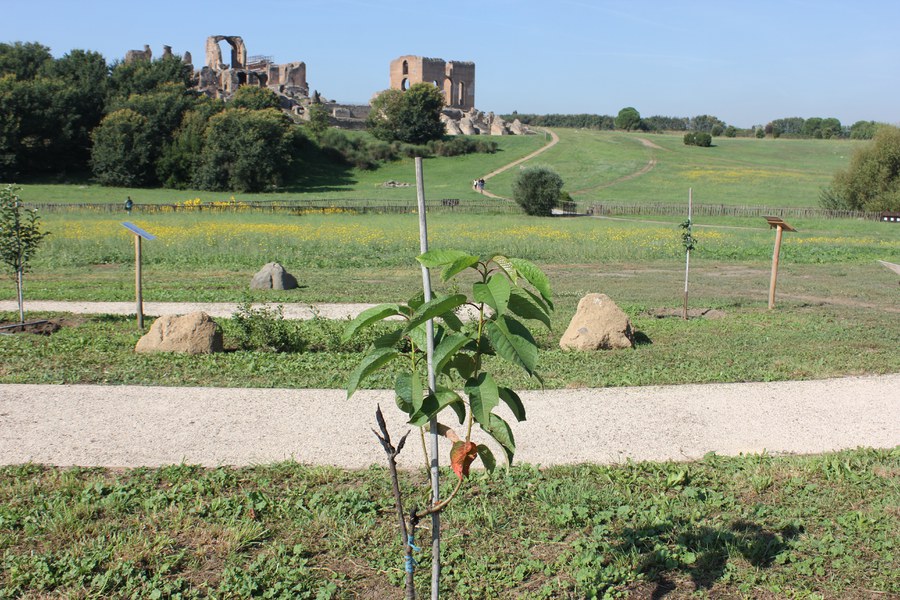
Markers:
point(406, 67)
point(214, 52)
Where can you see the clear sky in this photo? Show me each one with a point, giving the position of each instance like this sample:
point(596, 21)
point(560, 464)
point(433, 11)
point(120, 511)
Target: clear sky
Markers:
point(747, 62)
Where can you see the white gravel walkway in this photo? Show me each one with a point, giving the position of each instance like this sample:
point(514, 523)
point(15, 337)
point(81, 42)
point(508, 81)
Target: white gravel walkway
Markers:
point(126, 426)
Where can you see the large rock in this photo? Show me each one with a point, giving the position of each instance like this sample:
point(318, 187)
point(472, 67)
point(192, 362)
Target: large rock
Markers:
point(273, 277)
point(194, 333)
point(598, 324)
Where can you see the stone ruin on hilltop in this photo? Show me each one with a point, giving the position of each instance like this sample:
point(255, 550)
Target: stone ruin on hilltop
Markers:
point(456, 79)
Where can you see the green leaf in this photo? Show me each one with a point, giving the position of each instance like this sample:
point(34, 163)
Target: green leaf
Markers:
point(535, 277)
point(527, 307)
point(435, 403)
point(419, 337)
point(445, 351)
point(435, 308)
point(513, 402)
point(437, 258)
point(369, 316)
point(487, 457)
point(500, 431)
point(408, 388)
point(452, 321)
point(513, 342)
point(508, 268)
point(464, 364)
point(483, 397)
point(495, 293)
point(458, 266)
point(373, 361)
point(388, 340)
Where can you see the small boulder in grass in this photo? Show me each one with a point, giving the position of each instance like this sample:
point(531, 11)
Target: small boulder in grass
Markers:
point(598, 324)
point(273, 277)
point(194, 333)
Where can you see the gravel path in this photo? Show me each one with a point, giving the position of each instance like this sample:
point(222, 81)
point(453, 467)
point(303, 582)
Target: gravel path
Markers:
point(126, 426)
point(156, 309)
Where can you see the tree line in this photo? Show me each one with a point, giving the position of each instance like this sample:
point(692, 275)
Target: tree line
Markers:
point(630, 120)
point(141, 125)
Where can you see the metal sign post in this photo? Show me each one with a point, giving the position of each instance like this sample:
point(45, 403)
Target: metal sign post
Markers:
point(138, 235)
point(780, 226)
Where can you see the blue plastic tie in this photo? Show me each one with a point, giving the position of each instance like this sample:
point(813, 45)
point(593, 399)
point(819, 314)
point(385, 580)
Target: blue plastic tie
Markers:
point(410, 561)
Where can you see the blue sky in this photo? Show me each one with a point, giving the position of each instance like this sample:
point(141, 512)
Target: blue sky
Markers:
point(746, 62)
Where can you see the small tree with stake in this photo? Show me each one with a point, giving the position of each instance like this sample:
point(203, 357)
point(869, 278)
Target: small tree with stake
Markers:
point(20, 236)
point(506, 292)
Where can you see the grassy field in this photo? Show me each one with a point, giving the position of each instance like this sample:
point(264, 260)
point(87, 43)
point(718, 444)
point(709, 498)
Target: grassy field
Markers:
point(596, 166)
point(749, 527)
point(831, 294)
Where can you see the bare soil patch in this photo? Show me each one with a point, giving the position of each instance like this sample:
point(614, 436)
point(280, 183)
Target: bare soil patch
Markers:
point(693, 313)
point(38, 327)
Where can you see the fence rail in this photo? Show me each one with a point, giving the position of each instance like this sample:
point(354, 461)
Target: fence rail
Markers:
point(453, 205)
point(725, 210)
point(297, 207)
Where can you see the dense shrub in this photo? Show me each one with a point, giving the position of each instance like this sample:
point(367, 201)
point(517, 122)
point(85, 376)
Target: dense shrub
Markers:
point(412, 116)
point(122, 154)
point(537, 190)
point(872, 181)
point(698, 138)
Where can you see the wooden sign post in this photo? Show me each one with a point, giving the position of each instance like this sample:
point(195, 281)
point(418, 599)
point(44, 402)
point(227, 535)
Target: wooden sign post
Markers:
point(138, 234)
point(780, 226)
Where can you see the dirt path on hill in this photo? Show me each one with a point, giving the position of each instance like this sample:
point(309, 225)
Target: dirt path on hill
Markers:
point(651, 164)
point(554, 139)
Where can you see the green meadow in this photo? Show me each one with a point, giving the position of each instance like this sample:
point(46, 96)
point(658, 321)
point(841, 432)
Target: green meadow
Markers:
point(596, 166)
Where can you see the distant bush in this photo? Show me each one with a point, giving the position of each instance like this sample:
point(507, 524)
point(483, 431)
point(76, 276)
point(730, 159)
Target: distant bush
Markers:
point(537, 190)
point(263, 329)
point(367, 153)
point(731, 131)
point(698, 138)
point(872, 181)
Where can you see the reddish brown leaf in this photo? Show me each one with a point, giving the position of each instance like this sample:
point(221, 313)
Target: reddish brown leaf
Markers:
point(461, 456)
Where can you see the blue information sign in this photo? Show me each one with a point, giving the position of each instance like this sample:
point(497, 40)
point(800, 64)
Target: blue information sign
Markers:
point(138, 231)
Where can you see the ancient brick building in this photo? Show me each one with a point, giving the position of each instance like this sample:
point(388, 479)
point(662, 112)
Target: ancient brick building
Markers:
point(220, 79)
point(455, 78)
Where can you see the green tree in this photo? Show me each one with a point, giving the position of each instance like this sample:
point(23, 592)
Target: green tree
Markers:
point(863, 130)
point(254, 98)
point(245, 151)
point(180, 157)
point(141, 77)
point(872, 181)
point(122, 154)
point(318, 122)
point(628, 119)
point(705, 123)
point(537, 190)
point(20, 236)
point(23, 60)
point(412, 116)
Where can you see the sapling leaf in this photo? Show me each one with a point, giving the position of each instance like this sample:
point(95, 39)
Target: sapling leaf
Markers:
point(408, 388)
point(368, 317)
point(373, 361)
point(487, 458)
point(513, 342)
point(435, 403)
point(435, 308)
point(447, 349)
point(494, 292)
point(502, 433)
point(419, 337)
point(483, 397)
point(452, 321)
point(535, 277)
point(464, 365)
point(388, 340)
point(461, 456)
point(458, 266)
point(522, 305)
point(514, 403)
point(437, 258)
point(504, 263)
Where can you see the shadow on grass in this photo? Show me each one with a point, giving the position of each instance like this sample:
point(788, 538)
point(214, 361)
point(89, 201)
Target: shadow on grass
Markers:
point(701, 553)
point(320, 171)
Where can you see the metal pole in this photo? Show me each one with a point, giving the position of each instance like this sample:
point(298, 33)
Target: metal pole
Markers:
point(137, 282)
point(19, 295)
point(429, 330)
point(687, 263)
point(778, 231)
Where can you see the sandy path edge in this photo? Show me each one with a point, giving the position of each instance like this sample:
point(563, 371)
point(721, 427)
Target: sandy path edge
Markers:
point(129, 426)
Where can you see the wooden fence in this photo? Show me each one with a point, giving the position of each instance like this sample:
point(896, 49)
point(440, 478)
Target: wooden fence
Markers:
point(296, 207)
point(724, 210)
point(451, 205)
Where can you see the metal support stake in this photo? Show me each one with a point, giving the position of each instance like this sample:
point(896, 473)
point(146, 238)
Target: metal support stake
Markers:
point(429, 329)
